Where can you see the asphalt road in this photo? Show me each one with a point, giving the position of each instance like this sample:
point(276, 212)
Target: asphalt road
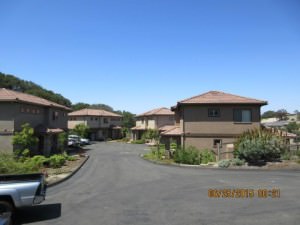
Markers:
point(116, 187)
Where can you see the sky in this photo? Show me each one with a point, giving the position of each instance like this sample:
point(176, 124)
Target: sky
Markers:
point(137, 55)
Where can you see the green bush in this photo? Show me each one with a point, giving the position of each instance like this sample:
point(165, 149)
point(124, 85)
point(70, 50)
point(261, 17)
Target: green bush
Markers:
point(190, 155)
point(258, 145)
point(138, 142)
point(207, 156)
point(224, 163)
point(38, 160)
point(173, 145)
point(237, 162)
point(193, 156)
point(57, 161)
point(9, 165)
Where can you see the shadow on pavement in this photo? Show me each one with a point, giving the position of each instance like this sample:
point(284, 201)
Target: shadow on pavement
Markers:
point(37, 213)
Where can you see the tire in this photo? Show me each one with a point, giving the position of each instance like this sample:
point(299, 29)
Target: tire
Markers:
point(6, 212)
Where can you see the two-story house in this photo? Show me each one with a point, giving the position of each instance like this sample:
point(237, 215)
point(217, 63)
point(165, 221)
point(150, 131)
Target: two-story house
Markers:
point(102, 124)
point(214, 118)
point(158, 119)
point(47, 118)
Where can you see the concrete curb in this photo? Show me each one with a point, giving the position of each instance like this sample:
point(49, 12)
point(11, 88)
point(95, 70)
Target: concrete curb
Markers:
point(217, 168)
point(70, 175)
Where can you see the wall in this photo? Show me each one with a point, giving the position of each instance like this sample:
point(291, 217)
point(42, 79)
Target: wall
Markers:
point(196, 120)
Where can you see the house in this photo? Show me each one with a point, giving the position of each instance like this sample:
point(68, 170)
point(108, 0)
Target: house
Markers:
point(158, 119)
point(47, 118)
point(103, 124)
point(214, 118)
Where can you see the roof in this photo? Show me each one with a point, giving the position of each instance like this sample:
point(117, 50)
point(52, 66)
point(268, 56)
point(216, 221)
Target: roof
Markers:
point(218, 97)
point(93, 112)
point(157, 112)
point(137, 128)
point(174, 131)
point(279, 123)
point(7, 95)
point(166, 127)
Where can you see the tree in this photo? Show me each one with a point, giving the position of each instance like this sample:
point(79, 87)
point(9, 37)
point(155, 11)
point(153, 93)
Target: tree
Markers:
point(80, 105)
point(25, 139)
point(128, 119)
point(14, 83)
point(268, 114)
point(81, 130)
point(62, 139)
point(281, 114)
point(297, 114)
point(292, 127)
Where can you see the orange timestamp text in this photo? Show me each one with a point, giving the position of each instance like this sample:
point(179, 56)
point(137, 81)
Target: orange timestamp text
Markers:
point(244, 193)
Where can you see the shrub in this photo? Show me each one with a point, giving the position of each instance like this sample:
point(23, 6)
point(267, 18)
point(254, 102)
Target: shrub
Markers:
point(57, 161)
point(258, 145)
point(237, 162)
point(207, 156)
point(9, 165)
point(173, 145)
point(138, 142)
point(190, 155)
point(224, 163)
point(38, 160)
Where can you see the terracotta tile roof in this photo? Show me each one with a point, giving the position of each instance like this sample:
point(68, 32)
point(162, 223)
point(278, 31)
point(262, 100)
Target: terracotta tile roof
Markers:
point(93, 112)
point(217, 97)
point(166, 127)
point(157, 112)
point(7, 95)
point(174, 131)
point(137, 128)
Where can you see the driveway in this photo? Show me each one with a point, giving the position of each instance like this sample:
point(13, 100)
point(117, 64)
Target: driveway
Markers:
point(116, 187)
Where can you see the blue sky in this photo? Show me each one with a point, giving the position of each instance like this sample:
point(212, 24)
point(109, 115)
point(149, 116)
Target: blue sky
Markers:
point(137, 55)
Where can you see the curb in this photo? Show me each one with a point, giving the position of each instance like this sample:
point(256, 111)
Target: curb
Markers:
point(70, 175)
point(218, 168)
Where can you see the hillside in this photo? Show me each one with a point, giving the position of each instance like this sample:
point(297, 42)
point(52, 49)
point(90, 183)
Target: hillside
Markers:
point(12, 82)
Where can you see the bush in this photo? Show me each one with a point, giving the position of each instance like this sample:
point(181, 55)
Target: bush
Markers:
point(258, 145)
point(39, 160)
point(237, 162)
point(155, 154)
point(173, 145)
point(224, 163)
point(57, 161)
point(207, 156)
point(138, 142)
point(9, 165)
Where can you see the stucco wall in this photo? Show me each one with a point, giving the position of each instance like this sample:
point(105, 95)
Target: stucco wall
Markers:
point(6, 143)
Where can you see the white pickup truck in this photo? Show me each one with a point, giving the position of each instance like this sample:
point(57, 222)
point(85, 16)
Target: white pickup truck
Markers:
point(18, 191)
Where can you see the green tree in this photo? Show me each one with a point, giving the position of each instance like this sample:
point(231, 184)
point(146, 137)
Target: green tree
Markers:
point(62, 140)
point(14, 83)
point(281, 114)
point(292, 127)
point(128, 119)
point(25, 139)
point(81, 130)
point(80, 105)
point(268, 114)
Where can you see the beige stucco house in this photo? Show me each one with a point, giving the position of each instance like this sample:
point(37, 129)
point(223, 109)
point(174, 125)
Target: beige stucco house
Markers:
point(158, 119)
point(103, 124)
point(47, 118)
point(214, 118)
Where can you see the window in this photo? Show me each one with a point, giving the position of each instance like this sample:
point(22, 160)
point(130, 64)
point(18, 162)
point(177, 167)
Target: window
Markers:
point(22, 110)
point(217, 142)
point(91, 118)
point(242, 115)
point(96, 118)
point(105, 120)
point(28, 110)
point(213, 112)
point(33, 111)
point(37, 111)
point(54, 115)
point(171, 118)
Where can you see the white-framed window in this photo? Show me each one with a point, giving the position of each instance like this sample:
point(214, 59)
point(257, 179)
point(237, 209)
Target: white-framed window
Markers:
point(214, 112)
point(242, 115)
